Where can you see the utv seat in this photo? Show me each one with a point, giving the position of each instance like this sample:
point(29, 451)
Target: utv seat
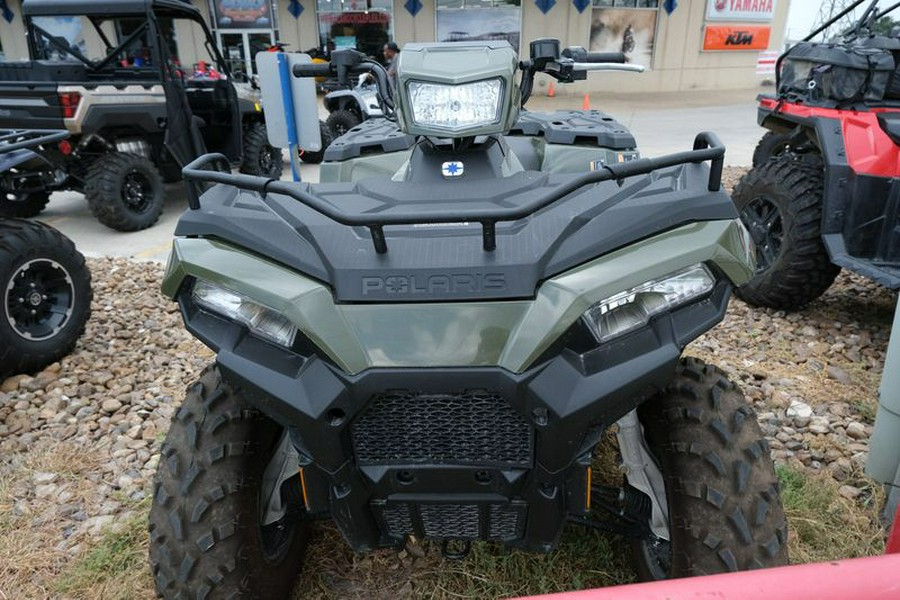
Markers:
point(890, 123)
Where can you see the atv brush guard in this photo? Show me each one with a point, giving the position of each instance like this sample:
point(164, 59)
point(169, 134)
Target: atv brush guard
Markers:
point(707, 146)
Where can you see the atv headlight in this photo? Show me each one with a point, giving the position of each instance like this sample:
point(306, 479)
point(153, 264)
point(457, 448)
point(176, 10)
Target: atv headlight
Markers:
point(261, 320)
point(455, 106)
point(633, 308)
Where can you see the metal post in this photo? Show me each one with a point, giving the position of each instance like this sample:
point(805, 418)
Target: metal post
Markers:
point(287, 100)
point(883, 464)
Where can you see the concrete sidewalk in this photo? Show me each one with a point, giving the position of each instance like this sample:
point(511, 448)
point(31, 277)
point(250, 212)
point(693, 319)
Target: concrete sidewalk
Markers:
point(661, 123)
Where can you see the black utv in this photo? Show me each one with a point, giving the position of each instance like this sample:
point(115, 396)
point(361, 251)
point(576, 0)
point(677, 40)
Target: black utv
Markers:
point(136, 112)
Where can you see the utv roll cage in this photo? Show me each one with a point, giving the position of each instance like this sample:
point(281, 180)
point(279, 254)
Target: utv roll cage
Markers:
point(97, 11)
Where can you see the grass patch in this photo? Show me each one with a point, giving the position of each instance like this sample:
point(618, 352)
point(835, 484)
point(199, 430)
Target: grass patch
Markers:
point(116, 567)
point(823, 524)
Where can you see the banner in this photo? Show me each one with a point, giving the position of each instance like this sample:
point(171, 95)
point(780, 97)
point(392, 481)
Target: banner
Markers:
point(627, 30)
point(740, 10)
point(243, 14)
point(736, 37)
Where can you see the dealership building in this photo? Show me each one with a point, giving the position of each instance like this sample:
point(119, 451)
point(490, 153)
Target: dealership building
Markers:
point(685, 44)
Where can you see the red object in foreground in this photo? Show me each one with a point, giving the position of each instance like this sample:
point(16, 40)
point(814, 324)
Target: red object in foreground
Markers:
point(893, 542)
point(872, 578)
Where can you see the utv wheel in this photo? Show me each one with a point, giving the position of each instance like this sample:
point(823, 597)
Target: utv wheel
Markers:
point(315, 158)
point(771, 144)
point(721, 489)
point(341, 121)
point(780, 203)
point(206, 533)
point(21, 204)
point(261, 158)
point(46, 293)
point(124, 191)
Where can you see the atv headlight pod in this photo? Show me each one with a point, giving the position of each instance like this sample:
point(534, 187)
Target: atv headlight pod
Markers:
point(261, 320)
point(633, 308)
point(454, 107)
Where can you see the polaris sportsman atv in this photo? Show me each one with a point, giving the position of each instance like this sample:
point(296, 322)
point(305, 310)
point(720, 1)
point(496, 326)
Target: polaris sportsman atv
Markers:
point(433, 341)
point(824, 192)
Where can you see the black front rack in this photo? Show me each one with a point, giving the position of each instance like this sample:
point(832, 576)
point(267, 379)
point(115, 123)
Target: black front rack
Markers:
point(707, 146)
point(17, 139)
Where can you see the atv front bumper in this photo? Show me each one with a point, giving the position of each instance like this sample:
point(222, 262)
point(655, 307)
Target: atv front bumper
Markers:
point(472, 449)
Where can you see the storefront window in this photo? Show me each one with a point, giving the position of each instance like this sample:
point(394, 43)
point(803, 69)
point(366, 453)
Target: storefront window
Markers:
point(464, 20)
point(365, 25)
point(627, 26)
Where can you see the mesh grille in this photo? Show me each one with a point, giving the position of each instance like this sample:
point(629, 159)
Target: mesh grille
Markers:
point(475, 427)
point(456, 521)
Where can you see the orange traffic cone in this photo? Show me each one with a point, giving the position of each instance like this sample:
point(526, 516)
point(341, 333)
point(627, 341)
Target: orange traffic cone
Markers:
point(586, 103)
point(551, 89)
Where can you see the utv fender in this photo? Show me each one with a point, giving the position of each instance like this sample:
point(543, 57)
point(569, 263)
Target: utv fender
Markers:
point(146, 118)
point(343, 99)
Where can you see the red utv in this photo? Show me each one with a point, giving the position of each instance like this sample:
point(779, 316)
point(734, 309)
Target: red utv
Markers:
point(824, 191)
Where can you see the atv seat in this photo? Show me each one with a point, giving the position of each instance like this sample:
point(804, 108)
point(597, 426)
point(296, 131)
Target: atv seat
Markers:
point(890, 123)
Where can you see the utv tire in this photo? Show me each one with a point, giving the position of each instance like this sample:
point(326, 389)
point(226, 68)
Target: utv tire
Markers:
point(772, 144)
point(780, 203)
point(315, 158)
point(341, 121)
point(206, 539)
point(260, 157)
point(13, 204)
point(45, 288)
point(124, 191)
point(724, 507)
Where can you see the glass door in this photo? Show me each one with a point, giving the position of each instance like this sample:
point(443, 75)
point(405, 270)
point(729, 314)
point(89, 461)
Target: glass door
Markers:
point(240, 48)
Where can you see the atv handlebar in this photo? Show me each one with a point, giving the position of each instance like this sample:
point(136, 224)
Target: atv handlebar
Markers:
point(707, 146)
point(313, 70)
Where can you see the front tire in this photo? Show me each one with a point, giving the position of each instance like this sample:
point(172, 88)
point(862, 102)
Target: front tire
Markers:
point(341, 121)
point(780, 203)
point(260, 157)
point(125, 191)
point(206, 533)
point(45, 287)
point(771, 144)
point(21, 204)
point(725, 512)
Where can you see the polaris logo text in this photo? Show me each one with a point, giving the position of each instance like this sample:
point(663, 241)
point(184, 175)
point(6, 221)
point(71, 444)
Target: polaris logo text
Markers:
point(458, 283)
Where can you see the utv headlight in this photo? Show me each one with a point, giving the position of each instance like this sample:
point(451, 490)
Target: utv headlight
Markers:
point(261, 320)
point(455, 106)
point(633, 308)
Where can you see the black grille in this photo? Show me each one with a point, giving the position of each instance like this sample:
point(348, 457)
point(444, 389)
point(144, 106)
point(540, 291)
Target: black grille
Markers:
point(502, 522)
point(475, 427)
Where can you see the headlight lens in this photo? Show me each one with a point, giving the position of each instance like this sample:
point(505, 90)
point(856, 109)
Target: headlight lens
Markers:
point(633, 308)
point(455, 106)
point(262, 321)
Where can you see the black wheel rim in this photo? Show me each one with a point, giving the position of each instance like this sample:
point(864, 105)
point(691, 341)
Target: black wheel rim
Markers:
point(657, 555)
point(137, 192)
point(763, 219)
point(39, 299)
point(269, 159)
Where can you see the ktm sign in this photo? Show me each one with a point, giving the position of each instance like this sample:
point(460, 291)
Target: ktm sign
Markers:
point(736, 37)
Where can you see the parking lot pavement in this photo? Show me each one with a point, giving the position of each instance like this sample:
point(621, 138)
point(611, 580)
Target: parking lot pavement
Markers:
point(661, 124)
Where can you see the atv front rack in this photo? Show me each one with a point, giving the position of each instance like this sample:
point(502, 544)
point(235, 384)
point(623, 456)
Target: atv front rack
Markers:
point(17, 139)
point(707, 146)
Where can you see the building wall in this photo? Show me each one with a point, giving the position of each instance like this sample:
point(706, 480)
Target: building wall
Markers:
point(678, 62)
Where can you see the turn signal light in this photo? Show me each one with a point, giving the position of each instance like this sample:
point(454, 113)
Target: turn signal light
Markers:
point(69, 102)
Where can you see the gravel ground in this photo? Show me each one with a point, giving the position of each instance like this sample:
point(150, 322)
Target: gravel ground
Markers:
point(79, 441)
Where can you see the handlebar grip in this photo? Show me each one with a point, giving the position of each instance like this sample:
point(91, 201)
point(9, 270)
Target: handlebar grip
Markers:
point(605, 57)
point(312, 70)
